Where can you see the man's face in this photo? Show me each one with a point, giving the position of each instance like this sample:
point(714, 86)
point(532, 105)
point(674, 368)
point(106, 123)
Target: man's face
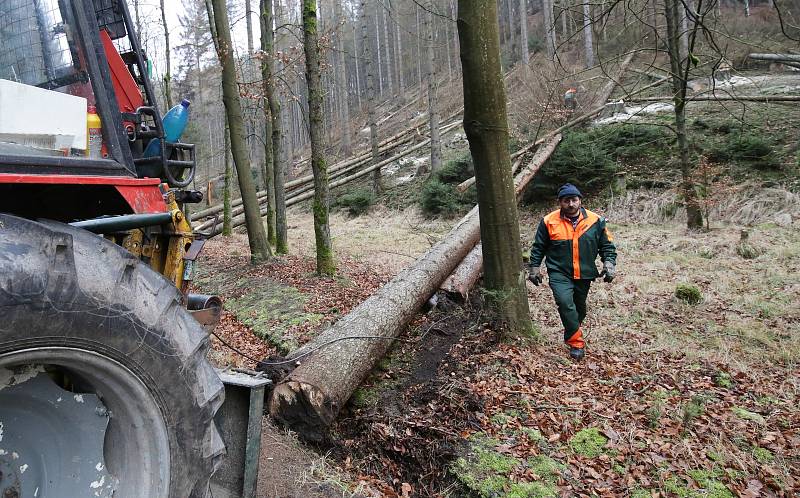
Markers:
point(570, 205)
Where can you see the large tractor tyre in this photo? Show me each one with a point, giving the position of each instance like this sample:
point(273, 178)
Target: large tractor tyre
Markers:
point(105, 389)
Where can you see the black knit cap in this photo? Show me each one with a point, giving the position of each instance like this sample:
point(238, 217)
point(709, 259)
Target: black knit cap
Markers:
point(569, 190)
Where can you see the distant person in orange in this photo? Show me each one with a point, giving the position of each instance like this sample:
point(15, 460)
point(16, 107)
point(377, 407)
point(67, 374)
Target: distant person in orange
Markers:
point(570, 102)
point(569, 240)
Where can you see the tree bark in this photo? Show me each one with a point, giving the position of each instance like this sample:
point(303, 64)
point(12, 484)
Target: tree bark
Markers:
point(358, 73)
point(378, 66)
point(249, 22)
point(419, 50)
point(679, 69)
point(257, 237)
point(265, 23)
point(310, 397)
point(387, 48)
point(226, 194)
point(398, 57)
point(547, 14)
point(278, 158)
point(325, 260)
point(341, 80)
point(371, 111)
point(433, 113)
point(523, 31)
point(486, 127)
point(168, 73)
point(588, 44)
point(684, 31)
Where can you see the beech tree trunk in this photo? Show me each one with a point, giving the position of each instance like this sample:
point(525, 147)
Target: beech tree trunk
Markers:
point(398, 56)
point(265, 23)
point(275, 125)
point(523, 25)
point(378, 65)
point(226, 194)
point(341, 79)
point(486, 127)
point(257, 237)
point(680, 68)
point(325, 260)
point(433, 113)
point(358, 73)
point(371, 111)
point(387, 48)
point(547, 14)
point(588, 44)
point(249, 23)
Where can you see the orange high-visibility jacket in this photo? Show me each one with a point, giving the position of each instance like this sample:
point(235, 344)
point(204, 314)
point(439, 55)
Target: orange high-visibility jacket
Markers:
point(573, 251)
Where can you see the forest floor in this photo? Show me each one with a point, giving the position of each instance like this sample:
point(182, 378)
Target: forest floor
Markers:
point(673, 399)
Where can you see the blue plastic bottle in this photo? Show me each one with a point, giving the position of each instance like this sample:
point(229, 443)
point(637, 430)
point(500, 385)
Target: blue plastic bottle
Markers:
point(174, 123)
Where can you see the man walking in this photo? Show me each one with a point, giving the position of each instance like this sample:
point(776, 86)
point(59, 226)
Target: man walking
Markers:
point(570, 239)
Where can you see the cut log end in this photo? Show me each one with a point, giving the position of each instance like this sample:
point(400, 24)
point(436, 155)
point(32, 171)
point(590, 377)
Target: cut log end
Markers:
point(304, 408)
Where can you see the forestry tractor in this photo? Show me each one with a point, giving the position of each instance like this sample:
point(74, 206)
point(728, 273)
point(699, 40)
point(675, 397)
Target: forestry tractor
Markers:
point(105, 389)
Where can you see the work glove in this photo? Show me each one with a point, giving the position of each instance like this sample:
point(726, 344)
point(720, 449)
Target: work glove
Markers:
point(609, 271)
point(535, 275)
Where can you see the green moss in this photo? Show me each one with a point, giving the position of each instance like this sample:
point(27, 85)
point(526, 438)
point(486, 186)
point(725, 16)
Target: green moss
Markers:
point(641, 493)
point(688, 293)
point(546, 468)
point(492, 461)
point(715, 456)
point(500, 418)
point(748, 415)
point(534, 435)
point(724, 380)
point(271, 309)
point(588, 442)
point(364, 398)
point(531, 490)
point(707, 481)
point(487, 472)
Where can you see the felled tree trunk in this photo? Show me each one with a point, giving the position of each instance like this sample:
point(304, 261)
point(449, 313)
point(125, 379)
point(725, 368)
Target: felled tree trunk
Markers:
point(464, 277)
point(310, 397)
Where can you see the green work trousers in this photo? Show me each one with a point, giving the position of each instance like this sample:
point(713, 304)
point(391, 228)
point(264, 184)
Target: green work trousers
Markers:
point(570, 296)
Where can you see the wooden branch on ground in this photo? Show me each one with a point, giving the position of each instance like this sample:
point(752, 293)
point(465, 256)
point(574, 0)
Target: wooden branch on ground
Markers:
point(709, 98)
point(775, 57)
